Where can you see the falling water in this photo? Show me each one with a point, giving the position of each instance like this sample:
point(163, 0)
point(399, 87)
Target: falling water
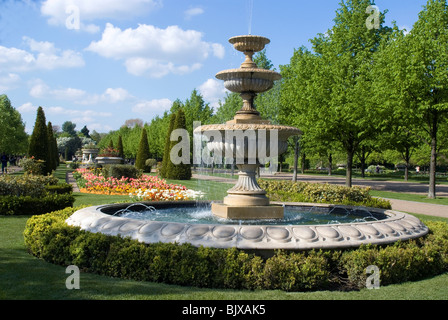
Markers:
point(251, 8)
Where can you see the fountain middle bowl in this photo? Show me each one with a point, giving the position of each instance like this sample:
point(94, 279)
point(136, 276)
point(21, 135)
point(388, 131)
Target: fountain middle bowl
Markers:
point(394, 226)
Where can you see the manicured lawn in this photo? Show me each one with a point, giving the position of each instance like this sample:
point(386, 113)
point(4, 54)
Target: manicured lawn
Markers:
point(409, 197)
point(23, 276)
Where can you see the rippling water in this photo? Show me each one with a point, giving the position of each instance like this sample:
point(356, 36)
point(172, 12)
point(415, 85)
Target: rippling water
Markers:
point(293, 215)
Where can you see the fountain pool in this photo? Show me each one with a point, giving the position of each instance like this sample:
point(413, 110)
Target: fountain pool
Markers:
point(339, 226)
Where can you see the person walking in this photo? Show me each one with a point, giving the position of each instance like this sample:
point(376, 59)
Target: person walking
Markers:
point(4, 160)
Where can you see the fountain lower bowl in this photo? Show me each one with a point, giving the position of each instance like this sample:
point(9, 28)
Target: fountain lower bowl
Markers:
point(263, 236)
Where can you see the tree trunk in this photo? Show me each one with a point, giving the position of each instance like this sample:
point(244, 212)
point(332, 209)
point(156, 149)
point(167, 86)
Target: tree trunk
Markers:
point(296, 159)
point(432, 169)
point(303, 157)
point(348, 177)
point(433, 163)
point(407, 160)
point(363, 163)
point(330, 164)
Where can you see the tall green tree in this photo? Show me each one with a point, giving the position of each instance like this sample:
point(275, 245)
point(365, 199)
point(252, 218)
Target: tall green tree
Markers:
point(52, 153)
point(413, 75)
point(13, 138)
point(227, 108)
point(195, 109)
point(339, 89)
point(120, 146)
point(85, 132)
point(163, 173)
point(68, 127)
point(38, 147)
point(143, 151)
point(182, 170)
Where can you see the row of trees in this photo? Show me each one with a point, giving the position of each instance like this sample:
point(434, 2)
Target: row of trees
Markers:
point(358, 90)
point(362, 89)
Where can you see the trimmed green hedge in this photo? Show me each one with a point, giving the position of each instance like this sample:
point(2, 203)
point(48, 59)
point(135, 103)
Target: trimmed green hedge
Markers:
point(289, 191)
point(118, 171)
point(33, 195)
point(27, 205)
point(50, 238)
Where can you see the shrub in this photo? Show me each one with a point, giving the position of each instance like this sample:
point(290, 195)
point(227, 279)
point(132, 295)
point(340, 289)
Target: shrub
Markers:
point(27, 205)
point(32, 166)
point(60, 188)
point(119, 171)
point(30, 194)
point(26, 185)
point(289, 191)
point(49, 237)
point(297, 271)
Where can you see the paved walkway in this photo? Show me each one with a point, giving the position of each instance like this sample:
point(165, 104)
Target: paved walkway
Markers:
point(70, 180)
point(392, 186)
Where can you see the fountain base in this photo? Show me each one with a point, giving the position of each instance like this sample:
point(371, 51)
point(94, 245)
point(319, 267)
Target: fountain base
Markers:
point(247, 212)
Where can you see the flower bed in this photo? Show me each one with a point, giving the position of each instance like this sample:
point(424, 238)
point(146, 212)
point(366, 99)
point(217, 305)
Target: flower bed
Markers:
point(144, 188)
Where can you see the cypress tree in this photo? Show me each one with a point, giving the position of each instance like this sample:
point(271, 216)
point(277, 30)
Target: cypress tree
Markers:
point(166, 151)
point(120, 147)
point(52, 159)
point(181, 171)
point(143, 151)
point(38, 147)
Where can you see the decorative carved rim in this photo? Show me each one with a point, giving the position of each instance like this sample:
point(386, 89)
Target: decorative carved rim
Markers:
point(399, 226)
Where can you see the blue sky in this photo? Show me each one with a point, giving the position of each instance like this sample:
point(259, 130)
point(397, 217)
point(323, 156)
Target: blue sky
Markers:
point(100, 62)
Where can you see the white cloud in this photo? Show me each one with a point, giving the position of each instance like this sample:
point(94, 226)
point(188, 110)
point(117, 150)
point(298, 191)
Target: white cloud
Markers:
point(110, 95)
point(59, 11)
point(148, 50)
point(43, 56)
point(151, 107)
point(9, 81)
point(190, 13)
point(40, 89)
point(406, 29)
point(85, 115)
point(212, 91)
point(27, 108)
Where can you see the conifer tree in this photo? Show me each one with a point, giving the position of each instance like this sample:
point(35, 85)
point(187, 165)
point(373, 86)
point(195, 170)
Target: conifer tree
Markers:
point(38, 147)
point(52, 153)
point(166, 154)
point(181, 171)
point(120, 147)
point(143, 151)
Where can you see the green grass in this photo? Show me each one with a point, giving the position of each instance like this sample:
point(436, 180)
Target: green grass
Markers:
point(25, 277)
point(409, 197)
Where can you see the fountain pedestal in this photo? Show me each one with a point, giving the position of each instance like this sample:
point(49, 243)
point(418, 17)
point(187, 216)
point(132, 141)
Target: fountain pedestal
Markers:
point(246, 200)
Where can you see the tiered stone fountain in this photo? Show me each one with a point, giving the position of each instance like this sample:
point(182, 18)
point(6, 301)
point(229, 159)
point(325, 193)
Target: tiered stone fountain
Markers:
point(246, 204)
point(246, 200)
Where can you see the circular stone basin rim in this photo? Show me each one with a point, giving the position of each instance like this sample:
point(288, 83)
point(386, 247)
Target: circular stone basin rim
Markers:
point(398, 226)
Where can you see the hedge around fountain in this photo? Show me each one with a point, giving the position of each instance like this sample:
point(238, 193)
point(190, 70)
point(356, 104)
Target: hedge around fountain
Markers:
point(50, 238)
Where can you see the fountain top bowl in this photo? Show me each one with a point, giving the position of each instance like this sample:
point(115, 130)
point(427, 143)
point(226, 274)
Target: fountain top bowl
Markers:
point(249, 43)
